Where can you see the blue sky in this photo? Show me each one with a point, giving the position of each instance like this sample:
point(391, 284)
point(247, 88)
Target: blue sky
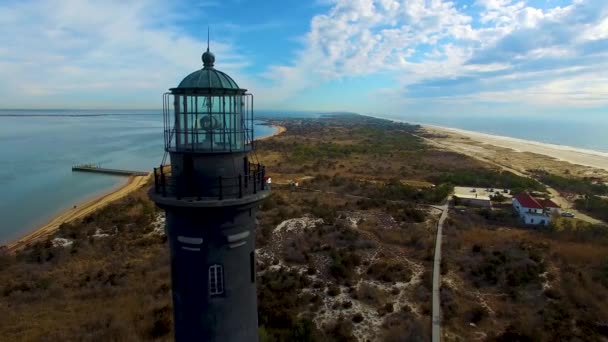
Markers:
point(387, 57)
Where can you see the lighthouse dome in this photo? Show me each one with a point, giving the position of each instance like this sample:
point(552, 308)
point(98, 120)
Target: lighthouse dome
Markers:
point(208, 80)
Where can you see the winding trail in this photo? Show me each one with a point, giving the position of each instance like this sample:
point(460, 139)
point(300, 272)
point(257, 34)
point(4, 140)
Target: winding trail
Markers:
point(436, 315)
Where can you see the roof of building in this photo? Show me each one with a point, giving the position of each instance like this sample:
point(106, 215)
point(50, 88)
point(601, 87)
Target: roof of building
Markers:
point(462, 191)
point(473, 196)
point(527, 201)
point(547, 203)
point(208, 79)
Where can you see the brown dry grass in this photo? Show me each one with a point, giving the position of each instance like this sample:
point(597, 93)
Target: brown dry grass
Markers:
point(113, 288)
point(567, 305)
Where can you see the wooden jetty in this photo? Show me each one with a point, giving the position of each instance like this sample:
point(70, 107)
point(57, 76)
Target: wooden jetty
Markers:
point(99, 169)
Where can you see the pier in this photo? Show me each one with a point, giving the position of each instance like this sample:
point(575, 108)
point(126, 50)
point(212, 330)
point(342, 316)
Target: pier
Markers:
point(99, 169)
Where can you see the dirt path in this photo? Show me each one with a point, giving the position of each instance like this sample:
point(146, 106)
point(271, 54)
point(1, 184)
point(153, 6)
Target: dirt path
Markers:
point(436, 315)
point(78, 212)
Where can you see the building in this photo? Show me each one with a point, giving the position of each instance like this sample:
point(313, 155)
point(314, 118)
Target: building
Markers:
point(474, 200)
point(550, 206)
point(532, 210)
point(478, 197)
point(210, 193)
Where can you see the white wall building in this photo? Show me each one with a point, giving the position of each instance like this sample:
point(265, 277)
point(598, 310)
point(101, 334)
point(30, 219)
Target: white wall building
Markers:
point(532, 210)
point(474, 200)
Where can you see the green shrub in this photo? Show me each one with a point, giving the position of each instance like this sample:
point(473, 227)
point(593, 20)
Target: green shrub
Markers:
point(489, 178)
point(343, 263)
point(594, 206)
point(389, 272)
point(573, 185)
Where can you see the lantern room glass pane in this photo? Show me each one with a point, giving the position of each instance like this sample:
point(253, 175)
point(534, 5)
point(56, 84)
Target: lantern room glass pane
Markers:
point(209, 123)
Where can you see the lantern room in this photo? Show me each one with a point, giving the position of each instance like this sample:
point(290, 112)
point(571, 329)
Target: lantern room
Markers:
point(208, 113)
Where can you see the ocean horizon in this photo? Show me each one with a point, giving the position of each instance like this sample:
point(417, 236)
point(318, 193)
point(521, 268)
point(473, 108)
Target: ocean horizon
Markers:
point(571, 132)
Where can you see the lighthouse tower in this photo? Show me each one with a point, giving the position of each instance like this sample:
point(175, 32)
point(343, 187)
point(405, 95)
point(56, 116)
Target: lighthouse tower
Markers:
point(210, 194)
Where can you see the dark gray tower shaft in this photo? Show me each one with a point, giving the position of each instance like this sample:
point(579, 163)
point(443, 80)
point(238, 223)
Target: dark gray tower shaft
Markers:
point(199, 239)
point(212, 241)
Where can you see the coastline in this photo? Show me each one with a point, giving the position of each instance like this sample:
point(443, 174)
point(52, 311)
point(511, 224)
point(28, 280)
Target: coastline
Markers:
point(523, 158)
point(79, 211)
point(575, 155)
point(88, 206)
point(569, 154)
point(279, 130)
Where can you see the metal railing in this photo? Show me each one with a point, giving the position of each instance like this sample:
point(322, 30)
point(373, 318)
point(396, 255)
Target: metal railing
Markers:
point(220, 188)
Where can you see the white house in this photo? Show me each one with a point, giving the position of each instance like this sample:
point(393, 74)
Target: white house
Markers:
point(532, 210)
point(550, 206)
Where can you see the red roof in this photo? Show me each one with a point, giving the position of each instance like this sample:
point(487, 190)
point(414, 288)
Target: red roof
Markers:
point(527, 201)
point(547, 203)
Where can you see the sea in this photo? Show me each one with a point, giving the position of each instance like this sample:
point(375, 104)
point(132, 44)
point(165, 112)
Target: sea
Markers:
point(39, 147)
point(587, 132)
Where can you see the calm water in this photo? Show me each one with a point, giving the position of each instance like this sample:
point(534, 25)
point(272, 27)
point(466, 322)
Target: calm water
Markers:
point(38, 152)
point(582, 131)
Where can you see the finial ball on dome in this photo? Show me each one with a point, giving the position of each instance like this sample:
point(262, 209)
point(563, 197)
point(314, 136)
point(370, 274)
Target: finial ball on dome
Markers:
point(208, 59)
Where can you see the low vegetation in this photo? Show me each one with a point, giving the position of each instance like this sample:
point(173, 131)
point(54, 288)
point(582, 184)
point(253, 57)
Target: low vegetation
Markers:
point(582, 186)
point(490, 179)
point(352, 261)
point(122, 276)
point(594, 206)
point(528, 285)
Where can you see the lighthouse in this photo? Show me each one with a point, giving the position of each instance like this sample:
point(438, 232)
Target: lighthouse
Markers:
point(210, 193)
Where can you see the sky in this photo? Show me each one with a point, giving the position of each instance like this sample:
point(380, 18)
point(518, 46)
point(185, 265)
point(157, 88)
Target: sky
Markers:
point(387, 57)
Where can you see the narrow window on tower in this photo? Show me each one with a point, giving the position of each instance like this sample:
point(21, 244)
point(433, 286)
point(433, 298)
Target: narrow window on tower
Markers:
point(252, 266)
point(216, 280)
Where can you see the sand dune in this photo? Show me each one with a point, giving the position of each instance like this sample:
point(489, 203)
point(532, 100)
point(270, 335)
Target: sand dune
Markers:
point(569, 154)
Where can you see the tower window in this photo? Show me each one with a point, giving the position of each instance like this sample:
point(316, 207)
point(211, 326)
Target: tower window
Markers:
point(252, 266)
point(216, 280)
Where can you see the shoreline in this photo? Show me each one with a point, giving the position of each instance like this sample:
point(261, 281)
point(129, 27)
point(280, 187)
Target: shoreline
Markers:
point(506, 141)
point(78, 211)
point(279, 130)
point(90, 205)
point(570, 154)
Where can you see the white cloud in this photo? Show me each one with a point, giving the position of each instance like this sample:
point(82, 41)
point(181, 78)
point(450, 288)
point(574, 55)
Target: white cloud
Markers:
point(96, 53)
point(108, 54)
point(357, 38)
point(437, 52)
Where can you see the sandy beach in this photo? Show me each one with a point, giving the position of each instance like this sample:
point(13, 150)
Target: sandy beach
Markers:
point(280, 130)
point(521, 155)
point(83, 209)
point(568, 154)
point(79, 212)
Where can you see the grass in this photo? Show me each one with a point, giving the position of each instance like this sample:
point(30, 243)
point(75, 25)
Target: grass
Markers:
point(490, 179)
point(593, 206)
point(571, 184)
point(510, 268)
point(124, 279)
